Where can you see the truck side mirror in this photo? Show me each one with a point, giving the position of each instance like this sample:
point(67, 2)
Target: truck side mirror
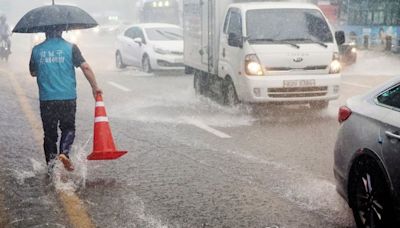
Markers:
point(235, 40)
point(340, 38)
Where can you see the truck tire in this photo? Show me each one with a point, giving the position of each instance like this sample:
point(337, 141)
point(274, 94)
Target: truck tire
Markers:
point(198, 84)
point(188, 70)
point(230, 97)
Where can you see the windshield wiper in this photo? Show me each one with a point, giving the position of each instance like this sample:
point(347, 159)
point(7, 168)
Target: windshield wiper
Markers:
point(163, 34)
point(275, 41)
point(173, 34)
point(308, 39)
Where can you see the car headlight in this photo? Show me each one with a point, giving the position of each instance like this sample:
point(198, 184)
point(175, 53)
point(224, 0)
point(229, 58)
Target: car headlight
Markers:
point(96, 29)
point(37, 38)
point(353, 50)
point(161, 51)
point(253, 66)
point(73, 39)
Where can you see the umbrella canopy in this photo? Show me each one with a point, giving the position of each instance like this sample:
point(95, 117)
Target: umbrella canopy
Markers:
point(54, 17)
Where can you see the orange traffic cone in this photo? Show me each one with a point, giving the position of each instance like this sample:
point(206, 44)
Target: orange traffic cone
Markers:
point(103, 142)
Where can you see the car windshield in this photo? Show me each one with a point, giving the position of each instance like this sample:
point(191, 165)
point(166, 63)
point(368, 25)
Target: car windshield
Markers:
point(164, 34)
point(301, 26)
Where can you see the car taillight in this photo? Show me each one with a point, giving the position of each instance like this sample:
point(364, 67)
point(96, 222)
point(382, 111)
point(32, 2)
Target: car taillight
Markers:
point(344, 114)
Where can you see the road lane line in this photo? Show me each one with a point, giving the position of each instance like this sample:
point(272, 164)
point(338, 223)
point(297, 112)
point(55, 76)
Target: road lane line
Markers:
point(207, 128)
point(74, 207)
point(116, 85)
point(357, 85)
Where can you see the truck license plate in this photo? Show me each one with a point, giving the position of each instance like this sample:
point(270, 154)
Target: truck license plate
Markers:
point(298, 83)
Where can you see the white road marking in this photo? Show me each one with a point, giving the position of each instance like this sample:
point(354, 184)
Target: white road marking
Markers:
point(123, 88)
point(356, 84)
point(207, 128)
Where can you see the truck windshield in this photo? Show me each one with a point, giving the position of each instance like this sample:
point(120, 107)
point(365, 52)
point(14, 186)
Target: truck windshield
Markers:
point(163, 34)
point(294, 25)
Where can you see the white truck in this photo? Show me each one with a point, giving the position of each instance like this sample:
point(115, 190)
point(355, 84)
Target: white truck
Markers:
point(257, 52)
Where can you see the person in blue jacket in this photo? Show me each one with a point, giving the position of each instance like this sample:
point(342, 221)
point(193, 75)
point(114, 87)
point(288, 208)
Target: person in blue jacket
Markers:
point(53, 63)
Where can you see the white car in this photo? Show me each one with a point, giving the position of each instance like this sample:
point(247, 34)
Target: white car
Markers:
point(151, 46)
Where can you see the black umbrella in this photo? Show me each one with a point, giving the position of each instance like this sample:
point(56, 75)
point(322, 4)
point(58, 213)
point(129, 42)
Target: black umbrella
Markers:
point(54, 17)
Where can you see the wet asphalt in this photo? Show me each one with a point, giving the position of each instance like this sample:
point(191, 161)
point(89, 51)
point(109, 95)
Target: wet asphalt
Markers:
point(274, 169)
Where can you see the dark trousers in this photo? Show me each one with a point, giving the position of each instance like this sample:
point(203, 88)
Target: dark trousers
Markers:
point(54, 114)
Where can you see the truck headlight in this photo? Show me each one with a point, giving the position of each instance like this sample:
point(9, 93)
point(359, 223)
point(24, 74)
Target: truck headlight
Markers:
point(335, 67)
point(161, 51)
point(253, 66)
point(96, 29)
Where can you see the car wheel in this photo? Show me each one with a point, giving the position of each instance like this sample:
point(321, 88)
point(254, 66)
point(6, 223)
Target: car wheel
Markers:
point(146, 66)
point(369, 196)
point(230, 97)
point(319, 105)
point(119, 63)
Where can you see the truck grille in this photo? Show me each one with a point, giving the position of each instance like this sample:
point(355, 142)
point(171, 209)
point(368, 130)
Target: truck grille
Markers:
point(290, 68)
point(298, 92)
point(176, 52)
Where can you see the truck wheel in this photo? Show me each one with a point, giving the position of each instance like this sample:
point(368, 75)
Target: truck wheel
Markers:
point(188, 70)
point(229, 93)
point(319, 105)
point(197, 83)
point(146, 66)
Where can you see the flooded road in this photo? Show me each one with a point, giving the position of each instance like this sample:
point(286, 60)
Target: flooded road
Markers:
point(191, 161)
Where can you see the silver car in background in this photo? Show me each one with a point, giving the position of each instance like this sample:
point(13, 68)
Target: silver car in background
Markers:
point(367, 156)
point(151, 46)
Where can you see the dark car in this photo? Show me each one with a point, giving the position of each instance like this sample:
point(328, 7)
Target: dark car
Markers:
point(348, 53)
point(367, 156)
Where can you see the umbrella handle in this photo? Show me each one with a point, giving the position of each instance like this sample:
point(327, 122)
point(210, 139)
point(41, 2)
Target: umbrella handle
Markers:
point(53, 2)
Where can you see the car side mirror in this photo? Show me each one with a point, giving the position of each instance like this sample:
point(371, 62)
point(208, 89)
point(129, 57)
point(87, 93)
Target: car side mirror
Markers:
point(340, 38)
point(138, 40)
point(235, 40)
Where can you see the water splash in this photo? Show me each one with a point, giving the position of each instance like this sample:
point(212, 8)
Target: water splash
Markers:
point(177, 107)
point(22, 175)
point(37, 166)
point(71, 181)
